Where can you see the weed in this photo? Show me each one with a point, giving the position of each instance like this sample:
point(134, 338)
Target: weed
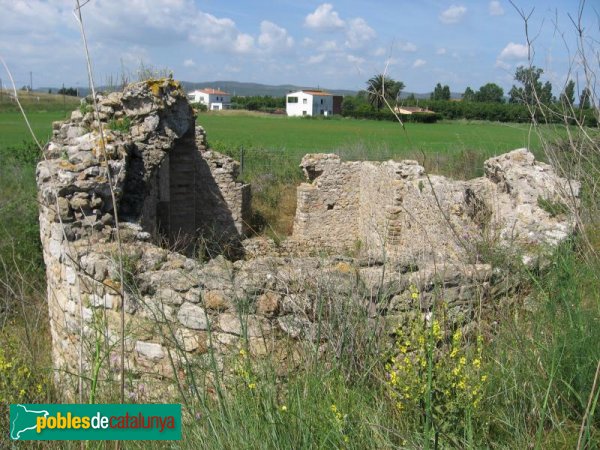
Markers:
point(438, 382)
point(122, 125)
point(554, 208)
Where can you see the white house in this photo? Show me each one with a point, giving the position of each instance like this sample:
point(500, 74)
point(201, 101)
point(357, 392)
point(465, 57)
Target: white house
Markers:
point(311, 103)
point(214, 99)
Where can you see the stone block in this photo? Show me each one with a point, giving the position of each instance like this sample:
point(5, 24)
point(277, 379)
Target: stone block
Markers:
point(192, 316)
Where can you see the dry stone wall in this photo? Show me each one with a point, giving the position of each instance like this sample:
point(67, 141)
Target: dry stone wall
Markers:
point(394, 209)
point(387, 225)
point(167, 188)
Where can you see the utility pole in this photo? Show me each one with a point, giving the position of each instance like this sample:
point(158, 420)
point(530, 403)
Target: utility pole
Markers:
point(30, 81)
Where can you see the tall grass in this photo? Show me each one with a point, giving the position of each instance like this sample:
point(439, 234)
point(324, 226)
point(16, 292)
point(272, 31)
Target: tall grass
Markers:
point(543, 360)
point(25, 347)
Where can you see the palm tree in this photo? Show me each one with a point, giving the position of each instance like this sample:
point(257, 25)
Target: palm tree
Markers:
point(381, 88)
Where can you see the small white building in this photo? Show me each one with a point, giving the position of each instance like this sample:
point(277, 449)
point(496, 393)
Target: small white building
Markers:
point(309, 103)
point(214, 99)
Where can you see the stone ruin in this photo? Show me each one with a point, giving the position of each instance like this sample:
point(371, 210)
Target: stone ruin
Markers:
point(364, 233)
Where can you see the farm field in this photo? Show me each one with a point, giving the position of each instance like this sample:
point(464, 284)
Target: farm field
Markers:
point(14, 132)
point(361, 139)
point(37, 101)
point(232, 129)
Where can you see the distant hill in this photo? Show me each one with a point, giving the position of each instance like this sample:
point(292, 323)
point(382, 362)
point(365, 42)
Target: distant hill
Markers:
point(248, 89)
point(233, 87)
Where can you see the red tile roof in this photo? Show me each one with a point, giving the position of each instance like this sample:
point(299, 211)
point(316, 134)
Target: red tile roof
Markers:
point(213, 91)
point(315, 92)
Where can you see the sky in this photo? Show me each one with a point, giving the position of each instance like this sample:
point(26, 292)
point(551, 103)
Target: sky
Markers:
point(334, 44)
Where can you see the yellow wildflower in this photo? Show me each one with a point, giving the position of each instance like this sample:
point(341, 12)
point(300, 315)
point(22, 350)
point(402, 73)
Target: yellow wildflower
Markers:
point(436, 330)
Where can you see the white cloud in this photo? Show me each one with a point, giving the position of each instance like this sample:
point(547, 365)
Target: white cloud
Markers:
point(419, 63)
point(132, 57)
point(162, 23)
point(513, 51)
point(453, 14)
point(359, 33)
point(214, 34)
point(496, 8)
point(142, 22)
point(408, 47)
point(316, 59)
point(23, 17)
point(189, 63)
point(274, 38)
point(379, 51)
point(324, 18)
point(441, 51)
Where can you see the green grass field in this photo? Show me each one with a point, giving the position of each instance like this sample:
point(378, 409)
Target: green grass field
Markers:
point(37, 101)
point(360, 139)
point(232, 129)
point(14, 132)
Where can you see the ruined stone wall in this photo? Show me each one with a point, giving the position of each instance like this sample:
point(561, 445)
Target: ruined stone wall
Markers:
point(378, 206)
point(326, 209)
point(398, 210)
point(186, 317)
point(168, 188)
point(222, 203)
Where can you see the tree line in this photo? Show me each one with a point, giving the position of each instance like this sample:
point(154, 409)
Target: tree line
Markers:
point(262, 103)
point(530, 97)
